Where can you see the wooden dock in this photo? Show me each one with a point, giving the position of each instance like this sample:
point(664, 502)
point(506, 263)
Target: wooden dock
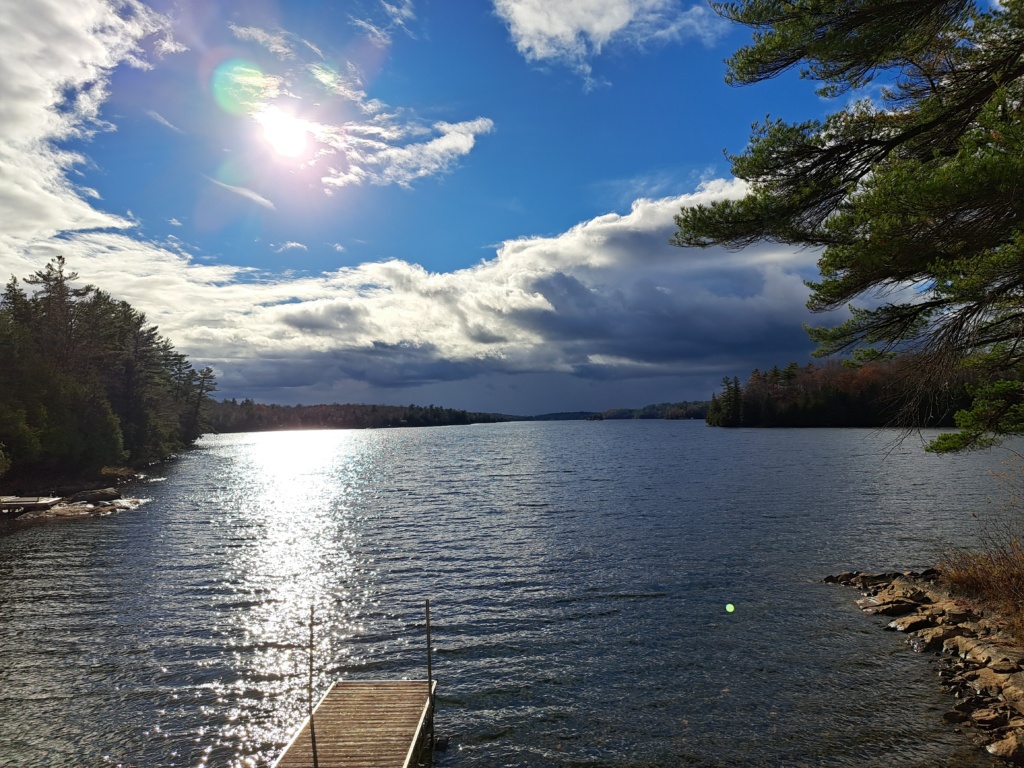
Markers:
point(366, 724)
point(27, 503)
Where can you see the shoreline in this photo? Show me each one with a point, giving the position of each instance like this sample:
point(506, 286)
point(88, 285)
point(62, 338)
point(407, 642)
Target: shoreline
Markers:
point(977, 662)
point(86, 503)
point(66, 486)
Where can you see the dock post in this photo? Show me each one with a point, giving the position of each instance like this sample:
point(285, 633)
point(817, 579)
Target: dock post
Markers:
point(309, 699)
point(430, 688)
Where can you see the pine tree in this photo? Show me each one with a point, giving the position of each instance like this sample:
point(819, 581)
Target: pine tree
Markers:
point(916, 197)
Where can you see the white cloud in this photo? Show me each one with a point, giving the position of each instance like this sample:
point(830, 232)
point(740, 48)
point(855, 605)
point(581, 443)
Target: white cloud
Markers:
point(167, 45)
point(291, 245)
point(400, 13)
point(348, 86)
point(607, 300)
point(174, 222)
point(368, 159)
point(248, 194)
point(275, 42)
point(574, 32)
point(395, 16)
point(163, 120)
point(52, 83)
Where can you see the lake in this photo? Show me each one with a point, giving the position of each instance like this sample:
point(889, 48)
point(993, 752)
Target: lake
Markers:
point(578, 574)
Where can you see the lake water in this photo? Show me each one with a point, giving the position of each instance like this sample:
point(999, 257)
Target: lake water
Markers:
point(578, 574)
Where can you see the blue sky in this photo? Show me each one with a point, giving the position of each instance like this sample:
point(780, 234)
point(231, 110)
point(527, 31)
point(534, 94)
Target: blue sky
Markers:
point(431, 202)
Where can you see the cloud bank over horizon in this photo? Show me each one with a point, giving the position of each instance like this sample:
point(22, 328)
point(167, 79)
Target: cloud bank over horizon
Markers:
point(606, 301)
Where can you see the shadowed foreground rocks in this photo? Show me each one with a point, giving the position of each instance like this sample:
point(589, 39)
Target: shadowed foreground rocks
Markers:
point(977, 663)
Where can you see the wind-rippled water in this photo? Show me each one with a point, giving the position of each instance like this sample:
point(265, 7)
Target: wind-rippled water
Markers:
point(578, 574)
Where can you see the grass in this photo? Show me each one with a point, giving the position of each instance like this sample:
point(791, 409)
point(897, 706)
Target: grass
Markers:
point(992, 576)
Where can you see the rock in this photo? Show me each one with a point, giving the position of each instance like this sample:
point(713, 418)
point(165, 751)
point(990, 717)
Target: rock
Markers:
point(1013, 691)
point(910, 623)
point(873, 607)
point(989, 718)
point(954, 644)
point(987, 682)
point(978, 650)
point(103, 494)
point(980, 665)
point(901, 590)
point(932, 638)
point(869, 580)
point(1010, 748)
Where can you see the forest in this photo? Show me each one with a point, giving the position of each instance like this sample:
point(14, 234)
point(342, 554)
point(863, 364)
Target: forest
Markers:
point(87, 383)
point(687, 409)
point(836, 394)
point(248, 416)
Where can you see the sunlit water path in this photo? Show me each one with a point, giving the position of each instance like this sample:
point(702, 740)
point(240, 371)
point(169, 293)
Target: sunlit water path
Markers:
point(578, 574)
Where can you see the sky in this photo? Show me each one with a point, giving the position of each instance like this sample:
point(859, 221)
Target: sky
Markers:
point(416, 201)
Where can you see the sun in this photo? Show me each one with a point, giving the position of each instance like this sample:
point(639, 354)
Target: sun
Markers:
point(286, 134)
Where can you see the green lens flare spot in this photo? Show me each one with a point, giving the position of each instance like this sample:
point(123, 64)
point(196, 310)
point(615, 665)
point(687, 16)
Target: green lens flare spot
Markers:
point(238, 86)
point(729, 608)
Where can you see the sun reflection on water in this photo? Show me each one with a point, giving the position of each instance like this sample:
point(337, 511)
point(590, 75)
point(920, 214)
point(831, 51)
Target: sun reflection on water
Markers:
point(298, 493)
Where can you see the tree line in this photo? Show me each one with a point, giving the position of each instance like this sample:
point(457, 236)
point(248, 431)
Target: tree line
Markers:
point(687, 409)
point(836, 394)
point(86, 382)
point(249, 416)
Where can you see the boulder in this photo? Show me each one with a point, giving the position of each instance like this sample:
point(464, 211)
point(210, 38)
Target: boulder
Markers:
point(989, 717)
point(102, 494)
point(910, 623)
point(932, 638)
point(897, 590)
point(1009, 748)
point(979, 650)
point(1013, 691)
point(897, 607)
point(986, 682)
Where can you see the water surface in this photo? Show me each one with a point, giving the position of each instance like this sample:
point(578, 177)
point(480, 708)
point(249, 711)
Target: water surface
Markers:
point(578, 574)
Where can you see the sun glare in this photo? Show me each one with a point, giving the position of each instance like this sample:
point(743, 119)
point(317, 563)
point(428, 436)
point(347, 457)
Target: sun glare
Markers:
point(286, 134)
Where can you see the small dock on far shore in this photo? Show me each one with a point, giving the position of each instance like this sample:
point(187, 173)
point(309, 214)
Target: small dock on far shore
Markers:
point(366, 724)
point(27, 503)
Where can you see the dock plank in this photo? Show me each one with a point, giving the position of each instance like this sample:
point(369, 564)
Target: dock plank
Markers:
point(364, 724)
point(27, 502)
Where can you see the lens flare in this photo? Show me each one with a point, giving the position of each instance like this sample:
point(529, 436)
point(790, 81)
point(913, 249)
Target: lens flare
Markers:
point(239, 86)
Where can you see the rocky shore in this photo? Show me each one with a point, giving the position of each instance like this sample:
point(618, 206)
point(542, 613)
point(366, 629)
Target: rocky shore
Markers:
point(90, 503)
point(976, 662)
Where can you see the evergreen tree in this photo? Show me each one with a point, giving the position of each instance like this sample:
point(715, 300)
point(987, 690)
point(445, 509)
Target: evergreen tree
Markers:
point(921, 190)
point(86, 382)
